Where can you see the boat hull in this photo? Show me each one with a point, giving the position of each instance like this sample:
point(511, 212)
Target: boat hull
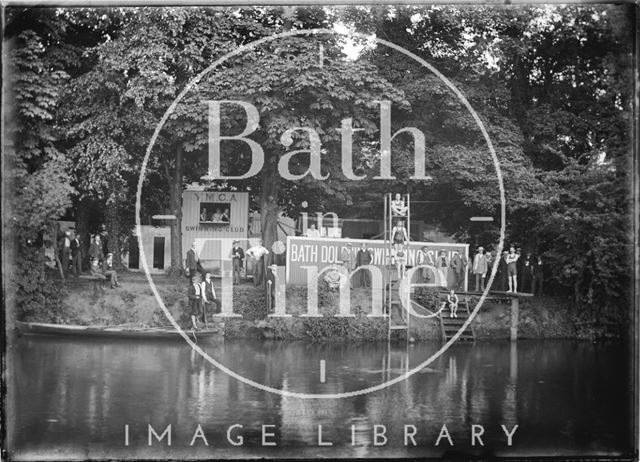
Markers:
point(35, 328)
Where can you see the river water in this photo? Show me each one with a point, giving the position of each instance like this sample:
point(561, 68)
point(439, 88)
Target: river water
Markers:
point(71, 399)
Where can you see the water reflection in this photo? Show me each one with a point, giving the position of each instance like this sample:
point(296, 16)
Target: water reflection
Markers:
point(76, 396)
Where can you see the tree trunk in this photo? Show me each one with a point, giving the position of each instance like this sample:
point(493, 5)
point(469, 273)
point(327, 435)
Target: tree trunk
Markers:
point(82, 225)
point(269, 209)
point(175, 208)
point(270, 190)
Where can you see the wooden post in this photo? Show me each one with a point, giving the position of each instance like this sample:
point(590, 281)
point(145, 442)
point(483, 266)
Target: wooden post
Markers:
point(515, 307)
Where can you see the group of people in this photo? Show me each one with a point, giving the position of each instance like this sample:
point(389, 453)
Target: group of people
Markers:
point(351, 259)
point(101, 266)
point(218, 216)
point(202, 295)
point(513, 269)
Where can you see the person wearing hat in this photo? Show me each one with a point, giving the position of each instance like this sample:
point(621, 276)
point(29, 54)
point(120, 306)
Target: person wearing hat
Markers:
point(109, 271)
point(193, 264)
point(237, 256)
point(442, 264)
point(208, 294)
point(480, 268)
point(458, 265)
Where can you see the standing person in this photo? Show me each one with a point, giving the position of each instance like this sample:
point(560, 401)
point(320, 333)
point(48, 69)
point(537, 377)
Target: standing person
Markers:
point(538, 277)
point(363, 258)
point(348, 257)
point(95, 249)
point(512, 271)
point(195, 300)
point(237, 255)
point(422, 259)
point(65, 251)
point(480, 268)
point(109, 271)
point(401, 263)
point(501, 274)
point(208, 295)
point(442, 263)
point(456, 266)
point(258, 252)
point(452, 301)
point(399, 235)
point(527, 272)
point(203, 214)
point(271, 286)
point(192, 261)
point(76, 256)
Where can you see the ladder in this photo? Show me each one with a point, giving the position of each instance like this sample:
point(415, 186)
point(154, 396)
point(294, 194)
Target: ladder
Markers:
point(397, 320)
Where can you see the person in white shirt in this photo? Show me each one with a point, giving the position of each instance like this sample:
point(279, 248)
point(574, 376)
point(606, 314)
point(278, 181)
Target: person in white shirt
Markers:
point(257, 252)
point(312, 231)
point(209, 294)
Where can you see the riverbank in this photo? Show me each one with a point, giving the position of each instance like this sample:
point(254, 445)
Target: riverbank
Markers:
point(133, 304)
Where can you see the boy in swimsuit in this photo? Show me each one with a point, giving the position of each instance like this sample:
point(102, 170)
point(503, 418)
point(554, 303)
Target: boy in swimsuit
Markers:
point(452, 301)
point(399, 236)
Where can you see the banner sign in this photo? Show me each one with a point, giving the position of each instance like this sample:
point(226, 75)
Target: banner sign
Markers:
point(323, 252)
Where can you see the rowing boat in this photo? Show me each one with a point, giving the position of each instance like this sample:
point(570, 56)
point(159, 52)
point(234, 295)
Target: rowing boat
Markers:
point(37, 328)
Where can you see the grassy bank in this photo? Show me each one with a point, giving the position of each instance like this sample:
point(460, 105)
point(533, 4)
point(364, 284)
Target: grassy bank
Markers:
point(134, 304)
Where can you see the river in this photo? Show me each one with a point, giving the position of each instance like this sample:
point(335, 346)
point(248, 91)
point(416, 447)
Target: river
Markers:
point(71, 399)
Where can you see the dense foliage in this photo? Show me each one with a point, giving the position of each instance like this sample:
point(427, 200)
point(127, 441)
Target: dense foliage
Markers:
point(552, 84)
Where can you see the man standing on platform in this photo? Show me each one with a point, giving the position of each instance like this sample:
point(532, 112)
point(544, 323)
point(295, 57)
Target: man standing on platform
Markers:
point(480, 268)
point(363, 258)
point(538, 277)
point(257, 252)
point(527, 273)
point(458, 270)
point(237, 255)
